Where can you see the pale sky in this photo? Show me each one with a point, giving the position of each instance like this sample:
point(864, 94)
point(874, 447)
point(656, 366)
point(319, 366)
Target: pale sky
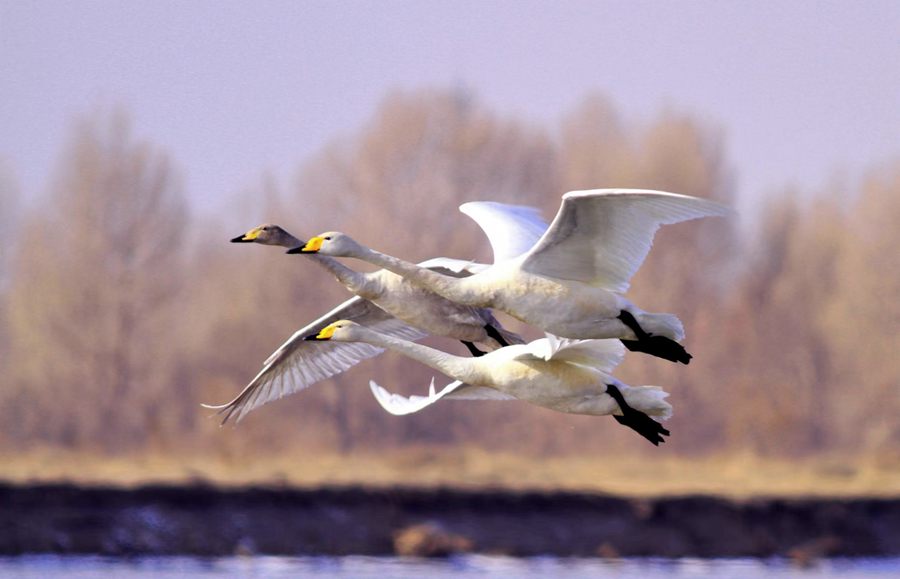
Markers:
point(805, 91)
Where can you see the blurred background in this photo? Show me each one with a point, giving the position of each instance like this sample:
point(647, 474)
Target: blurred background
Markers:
point(137, 138)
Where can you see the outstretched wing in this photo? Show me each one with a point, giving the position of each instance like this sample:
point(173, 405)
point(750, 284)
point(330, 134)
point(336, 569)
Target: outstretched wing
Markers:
point(511, 229)
point(298, 364)
point(604, 355)
point(398, 404)
point(602, 236)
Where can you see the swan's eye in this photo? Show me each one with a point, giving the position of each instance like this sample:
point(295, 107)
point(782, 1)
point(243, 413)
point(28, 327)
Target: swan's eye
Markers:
point(328, 239)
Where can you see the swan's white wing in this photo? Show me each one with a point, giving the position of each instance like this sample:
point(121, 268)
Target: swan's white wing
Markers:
point(544, 348)
point(297, 364)
point(398, 404)
point(602, 236)
point(511, 229)
point(604, 355)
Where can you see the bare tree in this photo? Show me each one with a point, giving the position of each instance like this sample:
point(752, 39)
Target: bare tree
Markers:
point(424, 153)
point(596, 147)
point(94, 292)
point(683, 274)
point(862, 319)
point(9, 227)
point(10, 209)
point(118, 323)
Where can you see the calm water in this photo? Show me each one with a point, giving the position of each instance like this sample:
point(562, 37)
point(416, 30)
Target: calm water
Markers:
point(41, 566)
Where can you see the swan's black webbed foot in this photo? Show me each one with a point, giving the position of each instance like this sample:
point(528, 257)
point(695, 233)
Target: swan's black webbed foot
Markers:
point(472, 349)
point(643, 425)
point(637, 420)
point(494, 333)
point(658, 346)
point(626, 318)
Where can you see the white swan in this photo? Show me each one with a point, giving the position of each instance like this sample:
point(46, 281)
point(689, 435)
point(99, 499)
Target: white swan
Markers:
point(565, 375)
point(570, 282)
point(388, 303)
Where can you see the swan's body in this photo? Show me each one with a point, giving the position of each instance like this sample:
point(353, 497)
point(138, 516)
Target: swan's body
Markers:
point(388, 303)
point(570, 282)
point(570, 376)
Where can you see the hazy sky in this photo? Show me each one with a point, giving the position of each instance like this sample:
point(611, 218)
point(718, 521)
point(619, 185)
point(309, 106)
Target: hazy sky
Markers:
point(804, 90)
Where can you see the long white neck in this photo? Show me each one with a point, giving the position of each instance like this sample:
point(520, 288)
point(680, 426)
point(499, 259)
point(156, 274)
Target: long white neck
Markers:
point(459, 290)
point(457, 367)
point(353, 280)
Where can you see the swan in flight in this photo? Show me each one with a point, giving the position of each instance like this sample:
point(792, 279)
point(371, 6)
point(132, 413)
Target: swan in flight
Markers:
point(569, 283)
point(565, 375)
point(388, 303)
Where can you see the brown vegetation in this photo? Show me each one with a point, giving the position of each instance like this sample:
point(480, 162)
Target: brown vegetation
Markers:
point(120, 312)
point(736, 475)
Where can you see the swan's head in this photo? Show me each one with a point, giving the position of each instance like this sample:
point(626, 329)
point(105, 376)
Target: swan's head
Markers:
point(267, 234)
point(339, 331)
point(332, 243)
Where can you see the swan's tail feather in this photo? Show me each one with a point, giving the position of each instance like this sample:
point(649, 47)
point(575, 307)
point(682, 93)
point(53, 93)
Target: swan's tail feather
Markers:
point(650, 400)
point(642, 403)
point(667, 325)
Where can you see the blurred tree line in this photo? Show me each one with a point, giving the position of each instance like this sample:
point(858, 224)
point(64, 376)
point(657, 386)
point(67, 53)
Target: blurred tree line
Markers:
point(121, 311)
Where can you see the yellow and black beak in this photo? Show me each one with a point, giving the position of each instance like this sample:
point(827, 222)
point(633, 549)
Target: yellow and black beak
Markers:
point(324, 334)
point(312, 246)
point(248, 237)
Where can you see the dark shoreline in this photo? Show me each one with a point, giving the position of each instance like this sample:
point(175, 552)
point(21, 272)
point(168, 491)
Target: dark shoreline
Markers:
point(211, 521)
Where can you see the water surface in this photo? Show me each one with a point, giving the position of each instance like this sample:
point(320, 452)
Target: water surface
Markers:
point(42, 566)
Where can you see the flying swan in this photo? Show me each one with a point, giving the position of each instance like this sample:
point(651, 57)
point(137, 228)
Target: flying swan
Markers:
point(569, 283)
point(388, 303)
point(565, 375)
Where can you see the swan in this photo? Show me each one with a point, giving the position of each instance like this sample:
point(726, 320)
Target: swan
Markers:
point(388, 303)
point(570, 376)
point(570, 282)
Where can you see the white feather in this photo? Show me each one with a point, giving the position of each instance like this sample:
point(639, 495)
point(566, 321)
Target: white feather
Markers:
point(511, 229)
point(298, 364)
point(602, 236)
point(603, 355)
point(399, 405)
